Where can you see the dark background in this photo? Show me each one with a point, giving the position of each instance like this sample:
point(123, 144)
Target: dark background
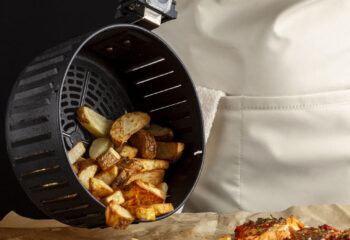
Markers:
point(27, 28)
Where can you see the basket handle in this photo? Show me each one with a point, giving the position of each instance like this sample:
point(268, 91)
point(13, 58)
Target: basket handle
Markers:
point(146, 13)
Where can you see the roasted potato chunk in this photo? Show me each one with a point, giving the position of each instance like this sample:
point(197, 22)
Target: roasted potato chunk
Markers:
point(127, 125)
point(109, 175)
point(145, 143)
point(76, 152)
point(162, 208)
point(160, 133)
point(117, 216)
point(85, 174)
point(108, 159)
point(170, 151)
point(145, 213)
point(99, 146)
point(128, 151)
point(154, 177)
point(117, 197)
point(144, 193)
point(99, 188)
point(148, 165)
point(164, 187)
point(75, 169)
point(96, 124)
point(83, 163)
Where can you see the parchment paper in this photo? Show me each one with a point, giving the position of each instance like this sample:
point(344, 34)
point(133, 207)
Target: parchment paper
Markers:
point(179, 226)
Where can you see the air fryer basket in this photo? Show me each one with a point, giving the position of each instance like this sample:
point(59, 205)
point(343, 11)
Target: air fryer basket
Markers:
point(115, 70)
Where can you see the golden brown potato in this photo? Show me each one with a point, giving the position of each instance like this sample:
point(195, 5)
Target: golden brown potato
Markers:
point(160, 133)
point(85, 174)
point(162, 208)
point(148, 165)
point(144, 193)
point(109, 175)
point(99, 188)
point(145, 213)
point(164, 187)
point(108, 159)
point(84, 163)
point(117, 197)
point(154, 177)
point(127, 125)
point(75, 169)
point(145, 143)
point(96, 124)
point(99, 146)
point(170, 151)
point(128, 151)
point(117, 216)
point(76, 152)
point(227, 237)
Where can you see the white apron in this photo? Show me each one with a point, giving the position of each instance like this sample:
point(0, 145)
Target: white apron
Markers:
point(281, 136)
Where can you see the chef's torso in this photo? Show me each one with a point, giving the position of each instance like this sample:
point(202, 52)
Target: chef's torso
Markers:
point(281, 136)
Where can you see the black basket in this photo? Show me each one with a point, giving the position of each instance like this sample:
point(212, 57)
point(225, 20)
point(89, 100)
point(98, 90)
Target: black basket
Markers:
point(117, 69)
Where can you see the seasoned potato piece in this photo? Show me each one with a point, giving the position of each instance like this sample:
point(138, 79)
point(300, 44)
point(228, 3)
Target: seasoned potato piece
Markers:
point(149, 165)
point(164, 187)
point(117, 197)
point(170, 151)
point(144, 193)
point(109, 175)
point(128, 151)
point(162, 208)
point(160, 133)
point(145, 143)
point(99, 146)
point(75, 169)
point(84, 163)
point(96, 124)
point(127, 125)
point(154, 177)
point(76, 152)
point(87, 173)
point(122, 178)
point(117, 216)
point(99, 188)
point(145, 213)
point(108, 159)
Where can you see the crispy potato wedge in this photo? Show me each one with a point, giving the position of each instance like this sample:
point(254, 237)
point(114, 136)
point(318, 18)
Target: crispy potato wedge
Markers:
point(109, 175)
point(162, 208)
point(154, 177)
point(117, 197)
point(145, 143)
point(170, 151)
point(76, 152)
point(99, 188)
point(148, 165)
point(108, 159)
point(95, 123)
point(99, 146)
point(144, 193)
point(117, 216)
point(145, 213)
point(85, 174)
point(128, 151)
point(164, 187)
point(127, 125)
point(160, 133)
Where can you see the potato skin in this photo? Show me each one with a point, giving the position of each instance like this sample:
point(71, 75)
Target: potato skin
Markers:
point(145, 143)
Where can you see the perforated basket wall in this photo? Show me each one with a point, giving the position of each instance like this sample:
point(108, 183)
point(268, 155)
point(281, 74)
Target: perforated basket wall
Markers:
point(115, 70)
